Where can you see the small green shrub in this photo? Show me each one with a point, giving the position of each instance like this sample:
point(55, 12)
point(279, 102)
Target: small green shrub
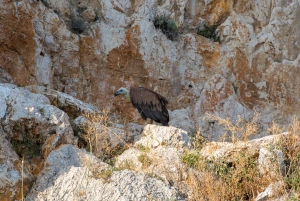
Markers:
point(167, 26)
point(145, 160)
point(29, 146)
point(106, 174)
point(221, 168)
point(143, 148)
point(209, 32)
point(191, 159)
point(293, 180)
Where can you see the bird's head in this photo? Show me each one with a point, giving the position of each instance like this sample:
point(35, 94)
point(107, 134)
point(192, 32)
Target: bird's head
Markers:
point(122, 91)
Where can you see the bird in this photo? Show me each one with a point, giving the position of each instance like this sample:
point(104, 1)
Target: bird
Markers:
point(148, 103)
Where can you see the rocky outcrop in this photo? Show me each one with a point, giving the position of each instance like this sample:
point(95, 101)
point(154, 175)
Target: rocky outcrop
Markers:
point(71, 174)
point(89, 49)
point(28, 116)
point(158, 152)
point(270, 159)
point(72, 106)
point(270, 191)
point(30, 128)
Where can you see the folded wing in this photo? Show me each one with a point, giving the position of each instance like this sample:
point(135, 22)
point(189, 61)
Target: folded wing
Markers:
point(150, 104)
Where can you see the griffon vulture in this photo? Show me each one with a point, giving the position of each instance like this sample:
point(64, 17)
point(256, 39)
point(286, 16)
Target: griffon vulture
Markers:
point(149, 103)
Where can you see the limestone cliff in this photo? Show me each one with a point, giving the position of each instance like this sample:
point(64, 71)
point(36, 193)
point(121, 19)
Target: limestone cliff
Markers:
point(88, 49)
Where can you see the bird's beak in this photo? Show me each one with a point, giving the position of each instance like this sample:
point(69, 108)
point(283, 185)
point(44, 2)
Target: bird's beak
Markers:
point(116, 94)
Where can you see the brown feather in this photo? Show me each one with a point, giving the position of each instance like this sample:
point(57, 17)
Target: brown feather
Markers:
point(150, 104)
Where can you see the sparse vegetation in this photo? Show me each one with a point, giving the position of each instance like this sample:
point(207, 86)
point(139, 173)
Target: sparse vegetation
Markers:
point(143, 148)
point(191, 159)
point(197, 140)
point(96, 131)
point(240, 130)
point(127, 164)
point(106, 173)
point(28, 147)
point(96, 136)
point(145, 160)
point(167, 26)
point(209, 32)
point(290, 145)
point(211, 179)
point(239, 178)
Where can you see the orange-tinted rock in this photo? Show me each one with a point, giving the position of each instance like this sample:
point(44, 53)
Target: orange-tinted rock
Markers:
point(18, 44)
point(120, 46)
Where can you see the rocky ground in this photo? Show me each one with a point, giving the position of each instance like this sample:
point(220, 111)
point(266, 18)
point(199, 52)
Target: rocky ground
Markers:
point(41, 158)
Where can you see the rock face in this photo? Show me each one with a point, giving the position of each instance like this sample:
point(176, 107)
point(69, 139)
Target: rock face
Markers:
point(90, 49)
point(30, 128)
point(11, 172)
point(69, 175)
point(72, 106)
point(28, 116)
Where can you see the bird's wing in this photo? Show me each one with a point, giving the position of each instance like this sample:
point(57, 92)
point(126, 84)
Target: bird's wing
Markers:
point(149, 104)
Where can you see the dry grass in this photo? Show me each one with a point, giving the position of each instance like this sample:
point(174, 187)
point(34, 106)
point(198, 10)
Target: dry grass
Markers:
point(240, 130)
point(221, 180)
point(145, 160)
point(22, 187)
point(198, 141)
point(290, 145)
point(97, 132)
point(240, 179)
point(82, 187)
point(97, 137)
point(201, 185)
point(127, 164)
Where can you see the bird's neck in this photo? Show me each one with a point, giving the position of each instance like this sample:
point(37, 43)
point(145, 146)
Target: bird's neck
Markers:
point(127, 96)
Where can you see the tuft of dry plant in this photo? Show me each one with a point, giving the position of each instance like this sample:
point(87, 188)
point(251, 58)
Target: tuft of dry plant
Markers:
point(145, 160)
point(101, 138)
point(290, 145)
point(275, 129)
point(201, 185)
point(221, 180)
point(127, 164)
point(240, 179)
point(198, 141)
point(240, 130)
